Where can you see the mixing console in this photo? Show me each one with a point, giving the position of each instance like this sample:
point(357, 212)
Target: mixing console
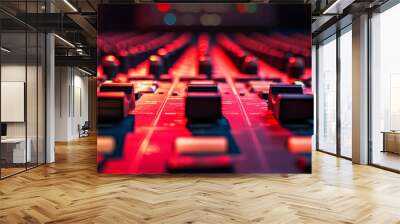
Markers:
point(176, 102)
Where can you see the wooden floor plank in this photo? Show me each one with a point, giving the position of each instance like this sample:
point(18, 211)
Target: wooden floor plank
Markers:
point(71, 191)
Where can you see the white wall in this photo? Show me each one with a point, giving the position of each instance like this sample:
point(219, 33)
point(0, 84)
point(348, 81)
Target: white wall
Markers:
point(71, 102)
point(16, 73)
point(33, 127)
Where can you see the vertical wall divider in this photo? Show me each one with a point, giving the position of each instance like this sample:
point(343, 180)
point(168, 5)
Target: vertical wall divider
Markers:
point(37, 90)
point(369, 81)
point(317, 97)
point(26, 87)
point(338, 95)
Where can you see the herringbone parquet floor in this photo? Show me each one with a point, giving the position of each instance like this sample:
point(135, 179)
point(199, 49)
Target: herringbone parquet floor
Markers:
point(70, 191)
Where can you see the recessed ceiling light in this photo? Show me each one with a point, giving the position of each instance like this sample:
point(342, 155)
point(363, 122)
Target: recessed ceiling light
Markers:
point(64, 40)
point(70, 5)
point(84, 71)
point(5, 50)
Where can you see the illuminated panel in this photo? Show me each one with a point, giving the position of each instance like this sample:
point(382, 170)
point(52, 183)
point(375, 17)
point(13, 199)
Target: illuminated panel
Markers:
point(204, 88)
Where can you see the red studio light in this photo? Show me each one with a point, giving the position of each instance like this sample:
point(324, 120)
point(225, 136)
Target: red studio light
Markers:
point(241, 8)
point(163, 7)
point(292, 60)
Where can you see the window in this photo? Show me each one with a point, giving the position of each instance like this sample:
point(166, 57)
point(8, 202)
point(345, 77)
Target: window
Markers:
point(385, 89)
point(346, 93)
point(327, 95)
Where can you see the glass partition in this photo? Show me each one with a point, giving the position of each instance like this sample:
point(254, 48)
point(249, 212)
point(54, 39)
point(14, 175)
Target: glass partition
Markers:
point(15, 151)
point(22, 77)
point(31, 97)
point(327, 95)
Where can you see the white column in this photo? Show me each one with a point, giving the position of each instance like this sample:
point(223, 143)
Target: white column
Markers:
point(50, 93)
point(360, 90)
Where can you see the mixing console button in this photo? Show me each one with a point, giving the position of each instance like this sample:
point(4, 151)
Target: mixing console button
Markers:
point(146, 87)
point(201, 145)
point(125, 62)
point(203, 106)
point(127, 88)
point(263, 94)
point(250, 65)
point(112, 106)
point(294, 108)
point(156, 66)
point(191, 164)
point(202, 86)
point(299, 144)
point(276, 89)
point(105, 144)
point(259, 86)
point(295, 67)
point(110, 66)
point(205, 66)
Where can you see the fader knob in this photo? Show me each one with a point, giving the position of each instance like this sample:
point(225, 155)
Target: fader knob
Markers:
point(250, 65)
point(166, 59)
point(110, 66)
point(156, 66)
point(295, 67)
point(203, 106)
point(124, 61)
point(205, 66)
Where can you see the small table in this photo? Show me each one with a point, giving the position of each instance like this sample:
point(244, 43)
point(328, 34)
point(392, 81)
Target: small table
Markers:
point(18, 150)
point(391, 141)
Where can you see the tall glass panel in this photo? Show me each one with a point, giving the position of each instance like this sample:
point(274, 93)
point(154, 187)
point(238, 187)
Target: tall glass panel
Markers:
point(32, 85)
point(32, 97)
point(15, 150)
point(346, 93)
point(327, 95)
point(385, 84)
point(41, 90)
point(22, 87)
